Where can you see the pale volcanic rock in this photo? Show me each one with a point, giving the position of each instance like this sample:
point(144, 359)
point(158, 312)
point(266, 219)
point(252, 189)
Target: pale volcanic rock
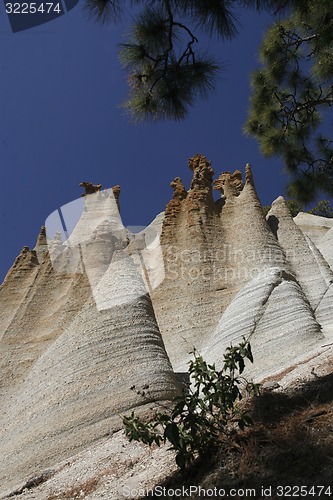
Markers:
point(95, 254)
point(304, 264)
point(255, 314)
point(282, 340)
point(325, 245)
point(241, 317)
point(146, 251)
point(113, 465)
point(173, 208)
point(251, 244)
point(105, 363)
point(97, 227)
point(320, 231)
point(41, 247)
point(323, 311)
point(20, 279)
point(71, 365)
point(95, 321)
point(46, 309)
point(209, 255)
point(121, 283)
point(313, 226)
point(16, 286)
point(189, 238)
point(98, 208)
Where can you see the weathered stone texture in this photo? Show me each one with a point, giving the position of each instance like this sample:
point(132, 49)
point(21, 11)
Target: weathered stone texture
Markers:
point(94, 323)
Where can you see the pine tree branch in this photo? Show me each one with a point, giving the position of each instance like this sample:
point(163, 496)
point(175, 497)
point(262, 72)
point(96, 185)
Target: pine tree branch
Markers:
point(299, 40)
point(314, 103)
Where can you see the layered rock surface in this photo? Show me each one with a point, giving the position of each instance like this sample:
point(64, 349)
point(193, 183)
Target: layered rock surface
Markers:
point(95, 321)
point(77, 354)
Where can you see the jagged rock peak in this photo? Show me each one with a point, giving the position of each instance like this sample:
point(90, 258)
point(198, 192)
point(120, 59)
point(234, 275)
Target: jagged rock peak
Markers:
point(90, 188)
point(27, 256)
point(202, 173)
point(198, 198)
point(173, 208)
point(41, 239)
point(248, 175)
point(25, 262)
point(229, 184)
point(116, 194)
point(179, 191)
point(279, 208)
point(41, 244)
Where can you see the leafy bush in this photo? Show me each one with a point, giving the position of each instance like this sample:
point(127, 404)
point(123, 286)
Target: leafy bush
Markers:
point(204, 410)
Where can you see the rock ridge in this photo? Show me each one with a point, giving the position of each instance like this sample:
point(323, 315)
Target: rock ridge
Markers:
point(96, 321)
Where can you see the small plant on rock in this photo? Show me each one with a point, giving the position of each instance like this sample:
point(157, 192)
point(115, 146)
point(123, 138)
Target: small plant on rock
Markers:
point(203, 412)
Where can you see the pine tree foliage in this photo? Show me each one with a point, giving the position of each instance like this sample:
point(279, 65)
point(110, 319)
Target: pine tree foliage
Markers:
point(323, 209)
point(291, 92)
point(104, 10)
point(167, 72)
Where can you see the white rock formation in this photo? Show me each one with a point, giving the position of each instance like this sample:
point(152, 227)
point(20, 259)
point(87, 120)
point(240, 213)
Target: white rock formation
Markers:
point(313, 226)
point(80, 343)
point(75, 354)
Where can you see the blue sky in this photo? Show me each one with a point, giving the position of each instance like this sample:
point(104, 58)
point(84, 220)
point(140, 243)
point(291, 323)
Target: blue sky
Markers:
point(61, 123)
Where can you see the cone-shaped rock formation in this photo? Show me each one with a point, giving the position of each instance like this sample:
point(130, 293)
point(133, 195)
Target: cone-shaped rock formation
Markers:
point(95, 320)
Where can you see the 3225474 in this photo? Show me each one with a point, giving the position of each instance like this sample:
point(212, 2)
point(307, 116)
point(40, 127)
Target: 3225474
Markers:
point(33, 8)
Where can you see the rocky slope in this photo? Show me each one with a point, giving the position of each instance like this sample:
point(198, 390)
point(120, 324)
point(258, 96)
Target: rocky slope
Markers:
point(96, 321)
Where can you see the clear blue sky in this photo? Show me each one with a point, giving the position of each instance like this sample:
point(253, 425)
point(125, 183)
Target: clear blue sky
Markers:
point(61, 123)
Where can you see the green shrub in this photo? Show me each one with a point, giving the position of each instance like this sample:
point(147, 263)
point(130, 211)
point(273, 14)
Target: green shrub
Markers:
point(204, 410)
